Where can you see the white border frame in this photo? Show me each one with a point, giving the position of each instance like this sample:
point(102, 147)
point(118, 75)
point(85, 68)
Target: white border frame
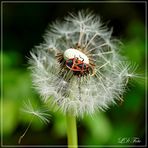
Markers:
point(2, 2)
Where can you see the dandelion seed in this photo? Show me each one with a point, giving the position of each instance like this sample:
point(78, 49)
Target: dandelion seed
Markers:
point(22, 136)
point(40, 113)
point(78, 68)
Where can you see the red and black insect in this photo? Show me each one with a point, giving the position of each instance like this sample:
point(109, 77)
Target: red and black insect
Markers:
point(77, 66)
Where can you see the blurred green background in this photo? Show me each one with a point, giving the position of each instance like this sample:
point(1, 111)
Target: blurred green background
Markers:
point(23, 27)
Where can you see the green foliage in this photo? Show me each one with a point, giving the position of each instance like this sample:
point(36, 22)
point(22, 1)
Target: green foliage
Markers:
point(99, 129)
point(10, 117)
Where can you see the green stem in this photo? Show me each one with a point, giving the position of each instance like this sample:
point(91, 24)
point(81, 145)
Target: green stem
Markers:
point(71, 131)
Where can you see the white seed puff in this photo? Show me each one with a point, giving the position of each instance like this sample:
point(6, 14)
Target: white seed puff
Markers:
point(78, 68)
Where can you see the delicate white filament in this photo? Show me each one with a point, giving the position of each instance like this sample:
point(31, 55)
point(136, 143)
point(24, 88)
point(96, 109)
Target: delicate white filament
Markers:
point(81, 36)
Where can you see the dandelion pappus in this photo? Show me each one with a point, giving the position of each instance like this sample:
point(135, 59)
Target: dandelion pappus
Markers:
point(78, 67)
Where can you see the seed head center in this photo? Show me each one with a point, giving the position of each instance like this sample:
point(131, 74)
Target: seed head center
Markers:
point(72, 53)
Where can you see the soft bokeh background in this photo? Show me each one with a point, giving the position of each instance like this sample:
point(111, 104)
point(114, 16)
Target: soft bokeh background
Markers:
point(23, 27)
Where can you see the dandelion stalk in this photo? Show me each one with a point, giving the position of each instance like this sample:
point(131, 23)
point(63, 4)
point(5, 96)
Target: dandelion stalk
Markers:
point(71, 131)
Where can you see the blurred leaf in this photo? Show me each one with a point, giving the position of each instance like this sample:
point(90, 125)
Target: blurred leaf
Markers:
point(135, 43)
point(136, 29)
point(99, 127)
point(17, 85)
point(124, 130)
point(11, 59)
point(135, 99)
point(9, 116)
point(59, 124)
point(135, 46)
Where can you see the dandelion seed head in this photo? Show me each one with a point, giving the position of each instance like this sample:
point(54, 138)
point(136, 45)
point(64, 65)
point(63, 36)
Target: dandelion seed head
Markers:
point(40, 113)
point(78, 67)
